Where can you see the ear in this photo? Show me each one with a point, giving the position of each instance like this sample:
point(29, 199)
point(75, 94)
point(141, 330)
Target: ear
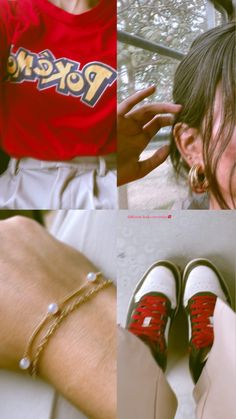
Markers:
point(189, 144)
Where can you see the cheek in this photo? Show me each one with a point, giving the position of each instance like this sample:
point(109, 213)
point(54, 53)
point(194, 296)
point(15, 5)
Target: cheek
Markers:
point(227, 167)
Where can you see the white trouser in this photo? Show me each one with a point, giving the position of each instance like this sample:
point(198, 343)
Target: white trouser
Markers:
point(82, 183)
point(143, 391)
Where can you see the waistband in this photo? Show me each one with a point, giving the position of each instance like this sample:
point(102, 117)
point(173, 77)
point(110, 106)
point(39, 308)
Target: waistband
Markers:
point(99, 163)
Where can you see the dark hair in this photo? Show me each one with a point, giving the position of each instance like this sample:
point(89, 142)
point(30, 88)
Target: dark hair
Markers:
point(224, 6)
point(209, 63)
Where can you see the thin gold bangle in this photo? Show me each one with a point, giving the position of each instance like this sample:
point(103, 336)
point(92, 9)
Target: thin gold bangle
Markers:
point(64, 313)
point(52, 311)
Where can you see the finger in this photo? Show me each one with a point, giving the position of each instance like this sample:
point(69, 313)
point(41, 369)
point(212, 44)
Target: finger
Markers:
point(156, 124)
point(134, 99)
point(148, 111)
point(146, 166)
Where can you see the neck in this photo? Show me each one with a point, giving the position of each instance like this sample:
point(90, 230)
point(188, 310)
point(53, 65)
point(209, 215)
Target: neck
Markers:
point(75, 7)
point(214, 205)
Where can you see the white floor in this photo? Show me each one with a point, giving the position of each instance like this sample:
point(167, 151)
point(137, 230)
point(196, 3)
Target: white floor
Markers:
point(145, 237)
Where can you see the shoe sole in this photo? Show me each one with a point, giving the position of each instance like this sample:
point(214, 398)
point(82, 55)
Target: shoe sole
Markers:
point(205, 262)
point(177, 275)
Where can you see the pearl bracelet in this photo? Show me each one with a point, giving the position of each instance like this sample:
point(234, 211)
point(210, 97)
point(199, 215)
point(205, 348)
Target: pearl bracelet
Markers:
point(56, 313)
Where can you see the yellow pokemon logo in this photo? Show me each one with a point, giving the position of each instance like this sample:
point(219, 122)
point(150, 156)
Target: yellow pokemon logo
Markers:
point(88, 83)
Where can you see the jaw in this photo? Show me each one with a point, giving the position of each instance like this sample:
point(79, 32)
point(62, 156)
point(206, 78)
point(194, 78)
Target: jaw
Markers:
point(214, 205)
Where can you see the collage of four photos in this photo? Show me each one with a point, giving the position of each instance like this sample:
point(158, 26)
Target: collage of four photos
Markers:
point(117, 209)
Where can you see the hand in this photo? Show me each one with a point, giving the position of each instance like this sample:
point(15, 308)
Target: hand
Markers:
point(135, 130)
point(35, 270)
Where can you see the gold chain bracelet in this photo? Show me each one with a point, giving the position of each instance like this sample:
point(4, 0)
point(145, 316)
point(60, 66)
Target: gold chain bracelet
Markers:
point(56, 313)
point(81, 300)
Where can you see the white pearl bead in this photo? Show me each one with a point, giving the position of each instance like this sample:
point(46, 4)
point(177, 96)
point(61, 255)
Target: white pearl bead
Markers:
point(53, 308)
point(92, 276)
point(24, 363)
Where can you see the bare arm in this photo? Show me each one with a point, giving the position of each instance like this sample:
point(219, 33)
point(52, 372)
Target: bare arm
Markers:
point(80, 360)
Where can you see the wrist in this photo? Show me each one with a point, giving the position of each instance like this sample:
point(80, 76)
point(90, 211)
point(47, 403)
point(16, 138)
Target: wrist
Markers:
point(85, 343)
point(28, 312)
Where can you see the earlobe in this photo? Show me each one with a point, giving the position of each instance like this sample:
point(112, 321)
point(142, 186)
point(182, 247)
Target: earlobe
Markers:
point(189, 144)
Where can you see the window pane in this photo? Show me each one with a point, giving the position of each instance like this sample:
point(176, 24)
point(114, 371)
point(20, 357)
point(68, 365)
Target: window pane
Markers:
point(171, 23)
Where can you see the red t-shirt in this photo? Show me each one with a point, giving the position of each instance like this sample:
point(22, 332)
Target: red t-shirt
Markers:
point(57, 80)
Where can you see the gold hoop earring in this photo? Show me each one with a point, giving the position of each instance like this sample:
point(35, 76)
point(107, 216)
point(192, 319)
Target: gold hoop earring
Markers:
point(197, 179)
